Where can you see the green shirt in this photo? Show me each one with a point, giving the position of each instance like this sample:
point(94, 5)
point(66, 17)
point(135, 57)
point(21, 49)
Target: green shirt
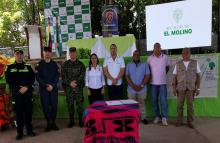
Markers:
point(73, 70)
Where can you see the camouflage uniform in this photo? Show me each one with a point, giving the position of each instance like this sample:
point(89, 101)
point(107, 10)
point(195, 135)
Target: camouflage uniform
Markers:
point(73, 71)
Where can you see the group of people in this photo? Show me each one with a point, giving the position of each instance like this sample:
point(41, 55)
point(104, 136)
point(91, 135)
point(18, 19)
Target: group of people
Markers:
point(75, 76)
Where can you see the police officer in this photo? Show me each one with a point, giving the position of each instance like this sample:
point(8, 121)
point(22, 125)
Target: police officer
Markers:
point(73, 73)
point(20, 78)
point(48, 76)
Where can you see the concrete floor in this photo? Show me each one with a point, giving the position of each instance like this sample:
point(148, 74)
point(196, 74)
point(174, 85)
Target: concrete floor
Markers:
point(207, 130)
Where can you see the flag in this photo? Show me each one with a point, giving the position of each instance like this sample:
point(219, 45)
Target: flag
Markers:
point(58, 43)
point(49, 39)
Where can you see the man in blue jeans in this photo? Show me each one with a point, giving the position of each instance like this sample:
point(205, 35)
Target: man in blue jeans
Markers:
point(159, 66)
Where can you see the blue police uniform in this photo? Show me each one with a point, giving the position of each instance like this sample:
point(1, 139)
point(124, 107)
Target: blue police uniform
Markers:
point(47, 73)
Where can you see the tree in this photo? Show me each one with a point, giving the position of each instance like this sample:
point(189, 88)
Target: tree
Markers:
point(14, 14)
point(10, 24)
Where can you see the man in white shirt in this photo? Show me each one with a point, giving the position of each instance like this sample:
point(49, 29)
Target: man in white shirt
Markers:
point(186, 84)
point(114, 68)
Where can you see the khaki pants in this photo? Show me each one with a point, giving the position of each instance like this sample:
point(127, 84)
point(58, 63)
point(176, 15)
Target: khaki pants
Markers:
point(189, 95)
point(141, 98)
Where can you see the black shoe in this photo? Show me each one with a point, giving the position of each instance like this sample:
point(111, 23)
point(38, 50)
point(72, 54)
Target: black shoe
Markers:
point(144, 121)
point(81, 123)
point(54, 127)
point(71, 124)
point(31, 133)
point(48, 128)
point(19, 136)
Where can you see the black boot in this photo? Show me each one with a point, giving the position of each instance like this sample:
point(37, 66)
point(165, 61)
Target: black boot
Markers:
point(48, 128)
point(19, 136)
point(19, 133)
point(31, 133)
point(30, 130)
point(81, 121)
point(54, 126)
point(71, 123)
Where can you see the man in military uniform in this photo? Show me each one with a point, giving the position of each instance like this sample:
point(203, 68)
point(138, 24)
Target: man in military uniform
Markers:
point(73, 73)
point(48, 77)
point(20, 78)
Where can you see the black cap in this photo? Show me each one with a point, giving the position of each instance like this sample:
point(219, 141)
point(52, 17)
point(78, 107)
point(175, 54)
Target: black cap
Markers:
point(72, 49)
point(18, 50)
point(47, 49)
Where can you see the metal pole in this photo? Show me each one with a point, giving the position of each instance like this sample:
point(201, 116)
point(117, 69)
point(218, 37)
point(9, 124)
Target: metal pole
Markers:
point(139, 24)
point(33, 12)
point(218, 48)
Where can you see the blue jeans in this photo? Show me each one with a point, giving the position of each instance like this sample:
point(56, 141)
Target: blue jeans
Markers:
point(159, 93)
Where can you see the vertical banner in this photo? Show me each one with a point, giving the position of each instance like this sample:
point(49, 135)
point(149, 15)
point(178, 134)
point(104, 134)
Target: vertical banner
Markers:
point(67, 19)
point(109, 20)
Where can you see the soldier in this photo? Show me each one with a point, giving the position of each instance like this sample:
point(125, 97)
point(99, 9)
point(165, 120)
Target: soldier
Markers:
point(20, 78)
point(48, 76)
point(73, 73)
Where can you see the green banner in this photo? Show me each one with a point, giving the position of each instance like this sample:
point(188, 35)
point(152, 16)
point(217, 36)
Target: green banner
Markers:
point(74, 21)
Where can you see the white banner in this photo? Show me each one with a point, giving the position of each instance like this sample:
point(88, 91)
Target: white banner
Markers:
point(179, 24)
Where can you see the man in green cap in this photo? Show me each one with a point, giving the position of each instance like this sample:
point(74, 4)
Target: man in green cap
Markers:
point(73, 73)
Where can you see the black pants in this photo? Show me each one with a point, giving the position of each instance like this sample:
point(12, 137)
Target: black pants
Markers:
point(96, 95)
point(23, 110)
point(115, 92)
point(49, 102)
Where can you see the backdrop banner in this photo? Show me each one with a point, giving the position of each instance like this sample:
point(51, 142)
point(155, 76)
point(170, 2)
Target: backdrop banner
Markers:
point(67, 19)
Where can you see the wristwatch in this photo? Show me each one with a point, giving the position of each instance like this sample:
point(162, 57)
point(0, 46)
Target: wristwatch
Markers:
point(142, 85)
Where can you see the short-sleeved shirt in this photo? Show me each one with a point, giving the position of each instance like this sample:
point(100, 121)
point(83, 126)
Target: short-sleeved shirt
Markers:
point(137, 72)
point(158, 68)
point(114, 67)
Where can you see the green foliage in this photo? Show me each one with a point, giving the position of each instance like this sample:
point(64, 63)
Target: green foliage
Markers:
point(14, 14)
point(83, 53)
point(10, 24)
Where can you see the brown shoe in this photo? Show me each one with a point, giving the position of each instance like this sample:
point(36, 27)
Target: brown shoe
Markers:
point(178, 123)
point(190, 125)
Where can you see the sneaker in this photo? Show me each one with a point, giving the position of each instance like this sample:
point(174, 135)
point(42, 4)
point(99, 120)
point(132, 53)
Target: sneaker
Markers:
point(156, 120)
point(144, 121)
point(164, 122)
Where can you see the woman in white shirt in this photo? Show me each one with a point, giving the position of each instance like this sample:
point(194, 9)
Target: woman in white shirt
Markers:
point(94, 80)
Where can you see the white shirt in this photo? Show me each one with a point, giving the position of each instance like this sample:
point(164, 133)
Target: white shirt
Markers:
point(95, 78)
point(186, 63)
point(114, 67)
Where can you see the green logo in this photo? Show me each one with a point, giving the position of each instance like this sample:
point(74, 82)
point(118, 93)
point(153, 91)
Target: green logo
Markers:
point(177, 15)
